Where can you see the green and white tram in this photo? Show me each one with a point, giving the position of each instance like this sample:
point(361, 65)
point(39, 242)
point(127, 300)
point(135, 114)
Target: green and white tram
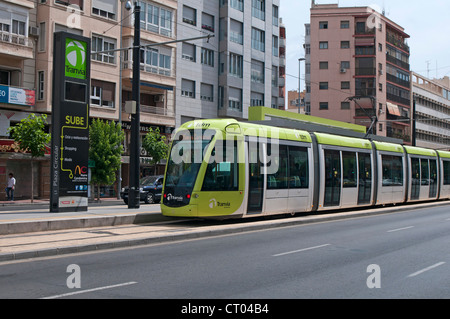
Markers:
point(223, 168)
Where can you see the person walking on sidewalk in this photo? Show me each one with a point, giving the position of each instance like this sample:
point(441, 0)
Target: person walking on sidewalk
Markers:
point(10, 187)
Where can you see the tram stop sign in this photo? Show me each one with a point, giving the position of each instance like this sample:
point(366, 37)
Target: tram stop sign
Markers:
point(70, 123)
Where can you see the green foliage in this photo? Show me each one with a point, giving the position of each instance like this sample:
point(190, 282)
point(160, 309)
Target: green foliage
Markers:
point(155, 145)
point(30, 135)
point(105, 149)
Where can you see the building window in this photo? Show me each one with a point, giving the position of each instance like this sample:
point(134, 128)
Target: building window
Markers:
point(156, 61)
point(189, 15)
point(257, 99)
point(207, 57)
point(275, 49)
point(237, 4)
point(323, 45)
point(235, 98)
point(258, 40)
point(345, 44)
point(207, 22)
point(41, 83)
point(236, 32)
point(102, 93)
point(71, 2)
point(156, 19)
point(257, 71)
point(345, 64)
point(105, 8)
point(323, 65)
point(345, 105)
point(236, 64)
point(103, 44)
point(259, 9)
point(323, 86)
point(188, 52)
point(188, 88)
point(323, 25)
point(275, 15)
point(323, 106)
point(42, 35)
point(345, 85)
point(345, 24)
point(206, 92)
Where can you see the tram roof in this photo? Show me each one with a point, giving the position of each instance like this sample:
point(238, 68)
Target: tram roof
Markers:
point(420, 151)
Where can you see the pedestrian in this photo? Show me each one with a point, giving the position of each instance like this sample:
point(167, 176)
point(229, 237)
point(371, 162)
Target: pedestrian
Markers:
point(10, 187)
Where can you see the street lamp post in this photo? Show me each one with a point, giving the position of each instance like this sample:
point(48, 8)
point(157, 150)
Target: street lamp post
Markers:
point(299, 81)
point(134, 193)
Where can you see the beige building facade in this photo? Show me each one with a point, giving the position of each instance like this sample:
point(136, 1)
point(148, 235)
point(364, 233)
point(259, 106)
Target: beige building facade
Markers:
point(357, 67)
point(26, 66)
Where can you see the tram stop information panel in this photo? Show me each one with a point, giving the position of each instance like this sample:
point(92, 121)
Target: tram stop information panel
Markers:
point(70, 123)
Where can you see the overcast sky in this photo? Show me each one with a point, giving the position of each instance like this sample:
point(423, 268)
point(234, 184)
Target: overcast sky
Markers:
point(426, 21)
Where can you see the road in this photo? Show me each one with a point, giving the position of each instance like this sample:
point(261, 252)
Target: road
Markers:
point(398, 255)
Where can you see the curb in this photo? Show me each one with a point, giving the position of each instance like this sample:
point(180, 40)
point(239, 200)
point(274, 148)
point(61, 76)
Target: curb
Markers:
point(220, 230)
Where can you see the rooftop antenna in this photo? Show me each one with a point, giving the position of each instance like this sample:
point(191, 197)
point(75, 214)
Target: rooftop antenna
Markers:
point(428, 68)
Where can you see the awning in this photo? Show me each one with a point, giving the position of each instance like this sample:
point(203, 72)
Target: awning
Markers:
point(393, 109)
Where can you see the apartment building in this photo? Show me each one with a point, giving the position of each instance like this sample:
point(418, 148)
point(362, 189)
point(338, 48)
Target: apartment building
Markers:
point(26, 52)
point(357, 68)
point(432, 111)
point(237, 68)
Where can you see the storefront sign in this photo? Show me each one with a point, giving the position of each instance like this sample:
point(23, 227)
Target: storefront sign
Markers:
point(17, 96)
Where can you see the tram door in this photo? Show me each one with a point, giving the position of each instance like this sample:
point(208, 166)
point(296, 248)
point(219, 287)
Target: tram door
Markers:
point(415, 178)
point(332, 178)
point(365, 178)
point(433, 179)
point(255, 179)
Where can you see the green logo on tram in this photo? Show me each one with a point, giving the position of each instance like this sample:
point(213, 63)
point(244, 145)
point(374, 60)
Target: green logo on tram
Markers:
point(75, 64)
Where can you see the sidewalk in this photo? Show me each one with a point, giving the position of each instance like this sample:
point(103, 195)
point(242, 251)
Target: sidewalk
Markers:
point(43, 202)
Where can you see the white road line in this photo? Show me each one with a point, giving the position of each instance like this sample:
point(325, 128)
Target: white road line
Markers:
point(300, 250)
point(90, 290)
point(426, 269)
point(398, 229)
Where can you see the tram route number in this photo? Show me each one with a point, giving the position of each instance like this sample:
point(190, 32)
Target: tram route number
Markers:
point(231, 308)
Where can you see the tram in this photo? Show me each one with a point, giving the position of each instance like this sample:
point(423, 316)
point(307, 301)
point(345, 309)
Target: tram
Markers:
point(222, 168)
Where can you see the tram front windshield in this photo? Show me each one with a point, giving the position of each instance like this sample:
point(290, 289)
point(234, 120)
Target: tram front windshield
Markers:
point(186, 156)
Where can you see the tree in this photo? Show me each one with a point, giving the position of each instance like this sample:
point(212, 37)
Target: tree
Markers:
point(105, 149)
point(155, 145)
point(30, 135)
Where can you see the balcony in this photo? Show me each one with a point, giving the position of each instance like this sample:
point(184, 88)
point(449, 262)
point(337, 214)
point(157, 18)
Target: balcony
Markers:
point(396, 80)
point(397, 62)
point(365, 71)
point(16, 45)
point(397, 41)
point(398, 99)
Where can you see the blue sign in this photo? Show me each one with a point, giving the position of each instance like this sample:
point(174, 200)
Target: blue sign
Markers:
point(4, 94)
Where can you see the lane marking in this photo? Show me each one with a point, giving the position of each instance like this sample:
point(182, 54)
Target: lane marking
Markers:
point(398, 229)
point(90, 290)
point(300, 250)
point(426, 269)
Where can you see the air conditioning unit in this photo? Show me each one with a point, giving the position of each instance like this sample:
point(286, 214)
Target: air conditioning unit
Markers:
point(380, 72)
point(343, 70)
point(33, 31)
point(158, 98)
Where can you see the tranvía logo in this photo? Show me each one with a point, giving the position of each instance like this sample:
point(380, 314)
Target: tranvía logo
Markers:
point(75, 64)
point(212, 203)
point(76, 54)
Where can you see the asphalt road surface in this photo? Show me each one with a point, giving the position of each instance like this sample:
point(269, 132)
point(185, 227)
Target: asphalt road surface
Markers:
point(398, 255)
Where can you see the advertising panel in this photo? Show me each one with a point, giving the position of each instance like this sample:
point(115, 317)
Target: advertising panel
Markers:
point(70, 118)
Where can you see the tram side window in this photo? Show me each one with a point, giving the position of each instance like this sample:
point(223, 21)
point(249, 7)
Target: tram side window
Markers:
point(298, 167)
point(278, 180)
point(392, 170)
point(349, 173)
point(223, 174)
point(446, 172)
point(425, 172)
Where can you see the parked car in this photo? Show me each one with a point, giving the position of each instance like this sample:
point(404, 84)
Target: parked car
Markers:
point(150, 189)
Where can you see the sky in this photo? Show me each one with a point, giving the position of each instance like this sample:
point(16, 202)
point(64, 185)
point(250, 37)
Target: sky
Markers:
point(427, 22)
